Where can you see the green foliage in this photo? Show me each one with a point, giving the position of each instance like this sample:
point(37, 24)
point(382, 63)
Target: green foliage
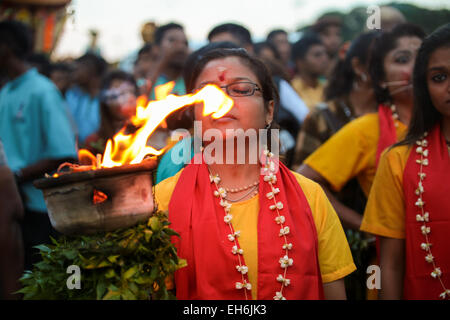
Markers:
point(128, 264)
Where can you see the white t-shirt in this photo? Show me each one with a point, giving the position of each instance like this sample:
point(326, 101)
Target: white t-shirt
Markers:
point(290, 100)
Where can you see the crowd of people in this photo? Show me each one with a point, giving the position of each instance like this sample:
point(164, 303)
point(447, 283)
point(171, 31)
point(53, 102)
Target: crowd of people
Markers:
point(363, 129)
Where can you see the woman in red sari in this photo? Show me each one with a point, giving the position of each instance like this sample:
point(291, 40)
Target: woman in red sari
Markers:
point(409, 206)
point(250, 229)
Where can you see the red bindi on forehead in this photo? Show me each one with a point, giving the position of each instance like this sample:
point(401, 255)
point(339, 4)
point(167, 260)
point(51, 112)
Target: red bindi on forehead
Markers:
point(221, 73)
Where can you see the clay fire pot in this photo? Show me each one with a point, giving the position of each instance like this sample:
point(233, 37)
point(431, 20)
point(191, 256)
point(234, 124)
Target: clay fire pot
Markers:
point(123, 197)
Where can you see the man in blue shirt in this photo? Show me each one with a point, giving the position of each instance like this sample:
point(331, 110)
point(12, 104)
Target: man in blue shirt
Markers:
point(34, 128)
point(83, 97)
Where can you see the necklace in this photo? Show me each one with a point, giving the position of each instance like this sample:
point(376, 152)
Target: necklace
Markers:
point(395, 115)
point(424, 217)
point(235, 190)
point(252, 190)
point(277, 206)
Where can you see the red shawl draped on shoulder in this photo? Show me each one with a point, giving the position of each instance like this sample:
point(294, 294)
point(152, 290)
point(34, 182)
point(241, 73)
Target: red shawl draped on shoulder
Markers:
point(418, 282)
point(195, 213)
point(388, 134)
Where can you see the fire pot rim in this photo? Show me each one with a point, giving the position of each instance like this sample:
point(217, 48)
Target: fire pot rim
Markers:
point(68, 178)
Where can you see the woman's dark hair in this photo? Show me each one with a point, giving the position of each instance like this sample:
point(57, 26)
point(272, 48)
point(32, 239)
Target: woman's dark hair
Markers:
point(106, 130)
point(381, 47)
point(343, 75)
point(425, 115)
point(197, 55)
point(268, 88)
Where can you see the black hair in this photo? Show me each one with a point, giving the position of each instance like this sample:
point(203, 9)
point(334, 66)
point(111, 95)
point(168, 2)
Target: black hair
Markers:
point(18, 37)
point(239, 32)
point(146, 48)
point(160, 31)
point(382, 45)
point(97, 63)
point(301, 47)
point(259, 46)
point(272, 34)
point(425, 115)
point(60, 66)
point(274, 65)
point(342, 77)
point(41, 62)
point(118, 75)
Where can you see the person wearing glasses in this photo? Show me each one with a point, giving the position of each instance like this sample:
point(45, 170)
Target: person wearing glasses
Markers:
point(249, 229)
point(117, 105)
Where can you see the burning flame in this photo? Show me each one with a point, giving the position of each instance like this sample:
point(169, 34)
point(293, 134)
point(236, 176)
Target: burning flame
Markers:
point(161, 92)
point(132, 148)
point(98, 197)
point(86, 158)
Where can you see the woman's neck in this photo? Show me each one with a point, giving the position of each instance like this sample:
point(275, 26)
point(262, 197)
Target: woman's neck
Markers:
point(404, 111)
point(236, 175)
point(239, 169)
point(362, 102)
point(234, 170)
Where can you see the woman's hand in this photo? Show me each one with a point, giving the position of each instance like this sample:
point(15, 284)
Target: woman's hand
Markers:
point(349, 218)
